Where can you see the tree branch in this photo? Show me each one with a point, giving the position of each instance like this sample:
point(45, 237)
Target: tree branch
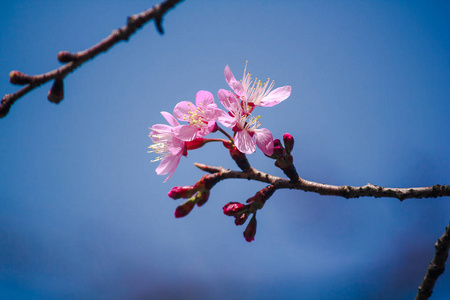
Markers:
point(436, 267)
point(75, 60)
point(346, 191)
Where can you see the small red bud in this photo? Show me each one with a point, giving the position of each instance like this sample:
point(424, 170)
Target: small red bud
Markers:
point(250, 231)
point(232, 208)
point(240, 219)
point(185, 192)
point(288, 142)
point(276, 142)
point(56, 93)
point(19, 78)
point(279, 151)
point(202, 197)
point(185, 208)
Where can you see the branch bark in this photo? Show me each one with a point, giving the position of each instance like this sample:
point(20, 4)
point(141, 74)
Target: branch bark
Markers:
point(134, 22)
point(436, 267)
point(346, 191)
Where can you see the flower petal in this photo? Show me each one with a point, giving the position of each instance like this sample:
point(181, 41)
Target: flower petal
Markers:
point(244, 142)
point(225, 119)
point(235, 85)
point(168, 165)
point(276, 96)
point(203, 99)
point(228, 100)
point(170, 119)
point(264, 140)
point(186, 132)
point(182, 109)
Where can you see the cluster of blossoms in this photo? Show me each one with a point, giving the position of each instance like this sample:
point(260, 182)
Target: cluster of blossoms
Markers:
point(172, 141)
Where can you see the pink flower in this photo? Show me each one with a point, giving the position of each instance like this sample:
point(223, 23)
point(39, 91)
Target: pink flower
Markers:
point(201, 116)
point(255, 92)
point(167, 145)
point(245, 125)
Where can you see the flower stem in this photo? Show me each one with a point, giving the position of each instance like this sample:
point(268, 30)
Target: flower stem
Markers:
point(224, 132)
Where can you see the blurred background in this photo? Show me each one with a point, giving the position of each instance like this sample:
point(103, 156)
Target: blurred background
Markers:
point(83, 214)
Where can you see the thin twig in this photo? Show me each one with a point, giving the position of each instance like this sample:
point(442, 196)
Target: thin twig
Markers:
point(134, 22)
point(346, 191)
point(436, 267)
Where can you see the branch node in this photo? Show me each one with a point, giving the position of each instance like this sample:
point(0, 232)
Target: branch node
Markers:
point(66, 57)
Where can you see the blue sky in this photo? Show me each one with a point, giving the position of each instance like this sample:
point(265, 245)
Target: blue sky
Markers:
point(83, 214)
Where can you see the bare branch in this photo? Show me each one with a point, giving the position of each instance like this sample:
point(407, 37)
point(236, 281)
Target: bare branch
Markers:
point(436, 267)
point(75, 60)
point(346, 191)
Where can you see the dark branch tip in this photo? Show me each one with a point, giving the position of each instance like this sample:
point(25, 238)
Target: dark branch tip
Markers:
point(56, 93)
point(19, 78)
point(158, 23)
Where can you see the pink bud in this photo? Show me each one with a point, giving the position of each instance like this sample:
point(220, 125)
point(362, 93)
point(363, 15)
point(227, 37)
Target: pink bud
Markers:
point(185, 208)
point(250, 231)
point(185, 192)
point(232, 208)
point(288, 142)
point(279, 151)
point(276, 142)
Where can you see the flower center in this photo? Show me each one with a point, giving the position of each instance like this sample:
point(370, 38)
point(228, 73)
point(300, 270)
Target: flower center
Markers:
point(255, 90)
point(196, 116)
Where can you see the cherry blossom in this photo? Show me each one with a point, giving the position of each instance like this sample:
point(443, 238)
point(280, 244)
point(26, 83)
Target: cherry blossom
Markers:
point(244, 125)
point(201, 116)
point(255, 92)
point(167, 145)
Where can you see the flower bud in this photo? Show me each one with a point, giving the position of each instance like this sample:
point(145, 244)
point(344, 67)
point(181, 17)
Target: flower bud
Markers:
point(250, 231)
point(276, 142)
point(185, 192)
point(56, 93)
point(66, 56)
point(19, 78)
point(240, 219)
point(232, 208)
point(202, 197)
point(288, 142)
point(185, 208)
point(279, 151)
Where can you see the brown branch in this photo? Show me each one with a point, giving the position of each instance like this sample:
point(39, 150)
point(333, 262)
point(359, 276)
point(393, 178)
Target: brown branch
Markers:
point(346, 191)
point(436, 267)
point(75, 60)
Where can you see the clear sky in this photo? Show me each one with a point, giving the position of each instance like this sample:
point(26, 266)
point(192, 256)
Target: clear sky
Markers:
point(83, 214)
